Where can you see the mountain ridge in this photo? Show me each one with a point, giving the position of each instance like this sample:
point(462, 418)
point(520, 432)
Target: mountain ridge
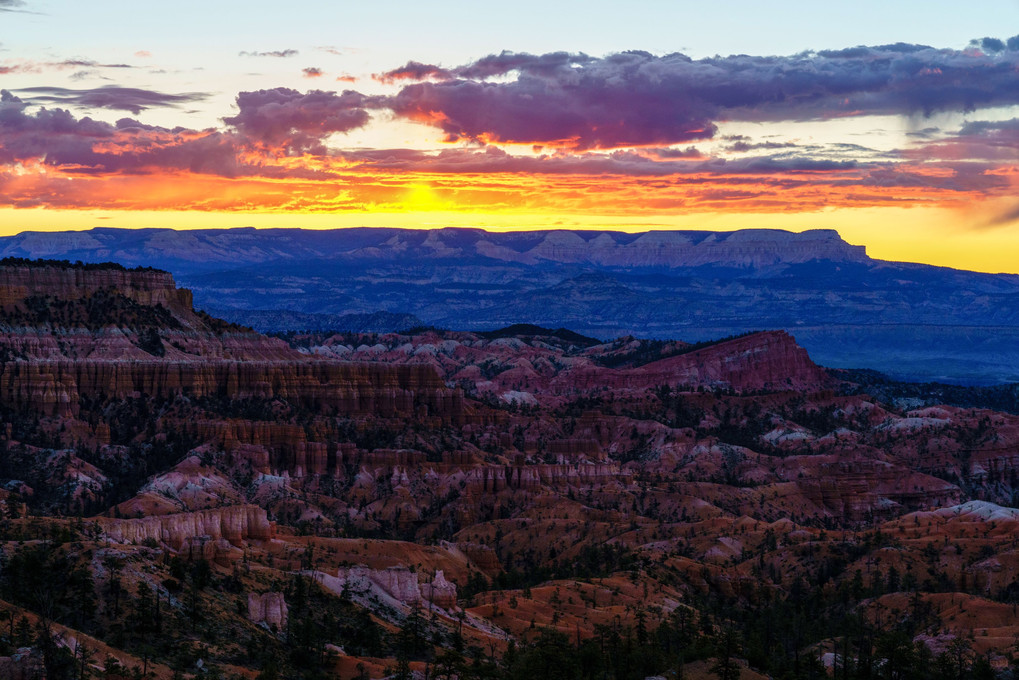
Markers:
point(662, 248)
point(913, 321)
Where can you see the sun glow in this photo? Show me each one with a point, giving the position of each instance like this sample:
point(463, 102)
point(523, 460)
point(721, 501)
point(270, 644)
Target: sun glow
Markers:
point(424, 198)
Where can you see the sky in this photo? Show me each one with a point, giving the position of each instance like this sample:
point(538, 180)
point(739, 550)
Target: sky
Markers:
point(896, 123)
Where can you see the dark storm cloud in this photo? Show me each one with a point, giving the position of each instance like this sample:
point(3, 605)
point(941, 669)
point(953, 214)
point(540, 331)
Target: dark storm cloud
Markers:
point(113, 97)
point(636, 98)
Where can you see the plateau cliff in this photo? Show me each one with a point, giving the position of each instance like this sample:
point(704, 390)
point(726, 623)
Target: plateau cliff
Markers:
point(71, 333)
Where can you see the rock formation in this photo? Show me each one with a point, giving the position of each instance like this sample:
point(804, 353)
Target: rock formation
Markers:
point(54, 388)
point(183, 354)
point(268, 608)
point(148, 288)
point(234, 524)
point(396, 583)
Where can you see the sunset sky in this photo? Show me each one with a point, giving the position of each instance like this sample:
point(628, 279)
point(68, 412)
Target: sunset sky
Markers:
point(896, 123)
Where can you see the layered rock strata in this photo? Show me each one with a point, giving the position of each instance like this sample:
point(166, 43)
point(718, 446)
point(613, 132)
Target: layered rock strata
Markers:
point(54, 388)
point(98, 348)
point(234, 524)
point(149, 288)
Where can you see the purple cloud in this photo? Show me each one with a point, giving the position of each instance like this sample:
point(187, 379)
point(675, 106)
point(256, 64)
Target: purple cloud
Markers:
point(986, 127)
point(688, 152)
point(57, 138)
point(283, 120)
point(989, 44)
point(38, 67)
point(85, 63)
point(977, 140)
point(413, 70)
point(1003, 218)
point(636, 98)
point(298, 121)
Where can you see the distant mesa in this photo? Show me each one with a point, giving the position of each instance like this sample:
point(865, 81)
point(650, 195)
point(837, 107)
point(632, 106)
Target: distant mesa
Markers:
point(211, 249)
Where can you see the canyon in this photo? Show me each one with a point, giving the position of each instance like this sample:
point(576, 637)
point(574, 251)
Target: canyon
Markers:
point(176, 489)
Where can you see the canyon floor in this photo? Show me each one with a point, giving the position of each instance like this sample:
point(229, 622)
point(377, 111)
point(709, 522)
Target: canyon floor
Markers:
point(183, 497)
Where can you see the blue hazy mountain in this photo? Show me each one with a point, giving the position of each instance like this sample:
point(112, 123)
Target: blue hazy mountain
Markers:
point(908, 320)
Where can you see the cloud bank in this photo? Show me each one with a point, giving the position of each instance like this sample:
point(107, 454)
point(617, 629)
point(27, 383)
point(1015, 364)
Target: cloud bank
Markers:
point(628, 132)
point(636, 98)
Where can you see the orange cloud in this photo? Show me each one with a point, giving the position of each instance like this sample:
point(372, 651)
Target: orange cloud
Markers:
point(350, 187)
point(272, 157)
